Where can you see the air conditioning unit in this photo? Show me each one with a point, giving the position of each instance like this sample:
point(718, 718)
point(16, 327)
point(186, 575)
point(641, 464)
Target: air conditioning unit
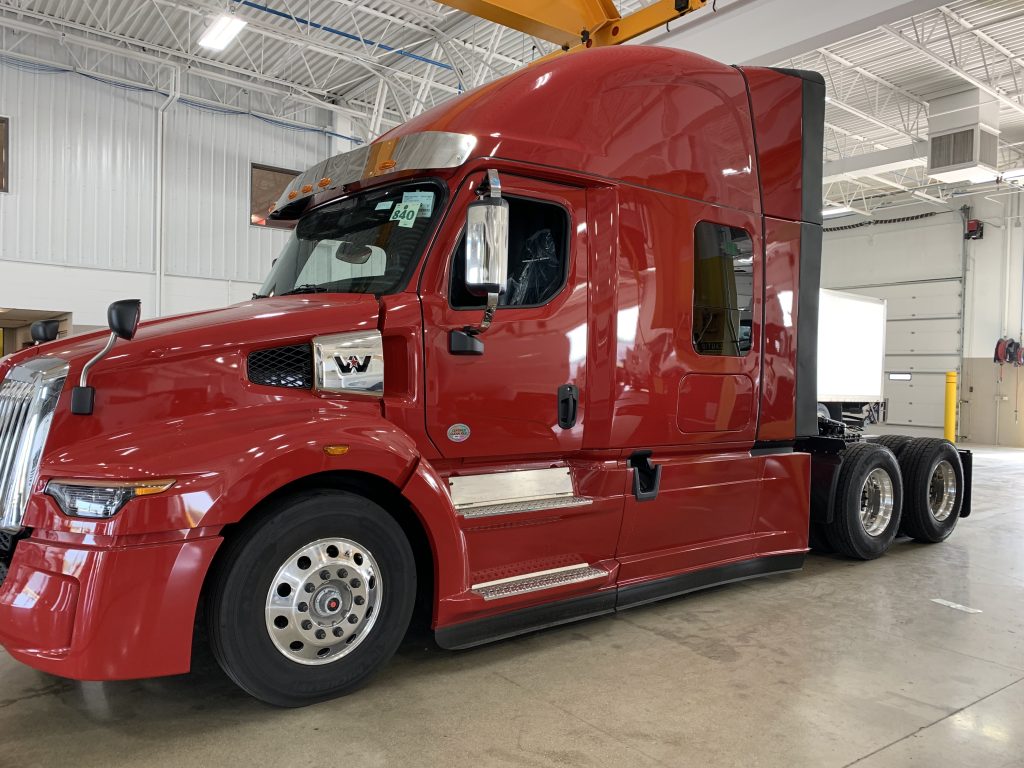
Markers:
point(963, 137)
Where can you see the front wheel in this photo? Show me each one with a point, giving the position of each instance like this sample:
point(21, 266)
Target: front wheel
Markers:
point(312, 599)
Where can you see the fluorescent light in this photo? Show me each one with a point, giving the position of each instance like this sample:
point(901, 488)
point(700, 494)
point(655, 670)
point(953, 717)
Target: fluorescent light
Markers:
point(221, 32)
point(837, 210)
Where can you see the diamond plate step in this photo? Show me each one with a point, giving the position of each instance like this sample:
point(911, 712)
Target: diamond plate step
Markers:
point(535, 582)
point(516, 507)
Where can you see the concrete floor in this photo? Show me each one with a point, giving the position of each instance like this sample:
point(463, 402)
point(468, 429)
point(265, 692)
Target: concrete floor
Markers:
point(843, 664)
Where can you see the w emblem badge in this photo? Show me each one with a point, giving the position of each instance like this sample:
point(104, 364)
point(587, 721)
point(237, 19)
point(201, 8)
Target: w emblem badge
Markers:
point(352, 364)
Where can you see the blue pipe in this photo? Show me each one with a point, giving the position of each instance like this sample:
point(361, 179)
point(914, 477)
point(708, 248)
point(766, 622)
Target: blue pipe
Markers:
point(342, 33)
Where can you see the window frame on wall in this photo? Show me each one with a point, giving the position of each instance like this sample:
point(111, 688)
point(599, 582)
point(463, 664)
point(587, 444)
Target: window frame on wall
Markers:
point(258, 211)
point(701, 307)
point(5, 154)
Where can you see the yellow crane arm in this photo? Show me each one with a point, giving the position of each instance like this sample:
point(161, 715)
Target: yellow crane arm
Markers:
point(572, 24)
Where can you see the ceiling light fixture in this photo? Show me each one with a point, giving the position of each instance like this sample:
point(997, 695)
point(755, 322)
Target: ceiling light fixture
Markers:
point(837, 210)
point(222, 30)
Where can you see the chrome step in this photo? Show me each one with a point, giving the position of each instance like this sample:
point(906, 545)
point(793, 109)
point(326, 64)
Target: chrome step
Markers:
point(535, 582)
point(515, 507)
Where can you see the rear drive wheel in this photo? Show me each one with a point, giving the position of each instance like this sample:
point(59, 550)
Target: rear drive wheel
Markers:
point(312, 599)
point(934, 479)
point(868, 500)
point(895, 443)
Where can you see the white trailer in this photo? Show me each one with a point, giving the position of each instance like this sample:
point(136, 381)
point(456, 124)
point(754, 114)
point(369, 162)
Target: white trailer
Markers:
point(851, 354)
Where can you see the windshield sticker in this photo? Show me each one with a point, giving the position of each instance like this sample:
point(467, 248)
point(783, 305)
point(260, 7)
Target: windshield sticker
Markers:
point(405, 214)
point(425, 200)
point(385, 206)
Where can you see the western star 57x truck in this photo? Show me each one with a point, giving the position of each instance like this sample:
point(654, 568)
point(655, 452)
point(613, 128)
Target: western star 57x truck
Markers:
point(544, 352)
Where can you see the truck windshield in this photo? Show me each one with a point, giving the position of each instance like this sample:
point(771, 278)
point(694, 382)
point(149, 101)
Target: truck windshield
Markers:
point(366, 243)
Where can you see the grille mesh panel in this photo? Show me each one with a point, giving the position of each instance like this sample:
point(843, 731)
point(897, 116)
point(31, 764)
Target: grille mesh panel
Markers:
point(290, 367)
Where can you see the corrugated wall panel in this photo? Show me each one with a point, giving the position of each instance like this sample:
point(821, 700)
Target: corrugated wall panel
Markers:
point(207, 162)
point(83, 179)
point(82, 172)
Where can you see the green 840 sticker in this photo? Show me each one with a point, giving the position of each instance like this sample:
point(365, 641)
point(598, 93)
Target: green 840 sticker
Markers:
point(405, 214)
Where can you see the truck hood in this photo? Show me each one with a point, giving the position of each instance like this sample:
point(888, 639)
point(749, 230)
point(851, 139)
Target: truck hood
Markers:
point(253, 324)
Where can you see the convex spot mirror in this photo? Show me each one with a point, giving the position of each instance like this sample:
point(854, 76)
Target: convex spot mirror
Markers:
point(123, 318)
point(487, 242)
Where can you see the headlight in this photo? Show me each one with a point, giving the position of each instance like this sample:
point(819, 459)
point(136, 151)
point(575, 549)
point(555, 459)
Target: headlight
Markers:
point(100, 498)
point(350, 362)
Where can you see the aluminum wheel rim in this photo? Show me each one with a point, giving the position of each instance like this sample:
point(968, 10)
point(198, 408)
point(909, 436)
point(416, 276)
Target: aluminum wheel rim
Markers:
point(324, 601)
point(876, 502)
point(942, 491)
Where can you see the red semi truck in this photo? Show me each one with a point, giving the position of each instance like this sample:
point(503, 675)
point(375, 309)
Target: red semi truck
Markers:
point(545, 352)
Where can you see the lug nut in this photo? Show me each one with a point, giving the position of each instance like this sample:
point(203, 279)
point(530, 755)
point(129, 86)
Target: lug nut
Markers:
point(342, 573)
point(325, 574)
point(310, 587)
point(303, 607)
point(353, 620)
point(355, 583)
point(359, 600)
point(338, 631)
point(320, 634)
point(307, 624)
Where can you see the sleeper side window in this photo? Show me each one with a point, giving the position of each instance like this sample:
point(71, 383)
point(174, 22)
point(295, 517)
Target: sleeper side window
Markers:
point(538, 257)
point(723, 290)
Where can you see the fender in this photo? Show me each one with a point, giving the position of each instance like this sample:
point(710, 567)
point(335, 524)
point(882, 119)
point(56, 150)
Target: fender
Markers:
point(225, 462)
point(428, 493)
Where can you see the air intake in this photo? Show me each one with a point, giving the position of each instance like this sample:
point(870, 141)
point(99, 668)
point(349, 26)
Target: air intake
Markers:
point(290, 367)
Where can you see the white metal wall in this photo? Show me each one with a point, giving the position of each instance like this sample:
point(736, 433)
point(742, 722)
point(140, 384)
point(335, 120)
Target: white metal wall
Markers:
point(80, 223)
point(207, 233)
point(916, 267)
point(82, 173)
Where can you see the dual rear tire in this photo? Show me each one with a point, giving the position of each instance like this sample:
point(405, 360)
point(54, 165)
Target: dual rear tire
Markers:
point(895, 485)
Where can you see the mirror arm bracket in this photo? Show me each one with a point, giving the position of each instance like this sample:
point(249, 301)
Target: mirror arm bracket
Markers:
point(83, 397)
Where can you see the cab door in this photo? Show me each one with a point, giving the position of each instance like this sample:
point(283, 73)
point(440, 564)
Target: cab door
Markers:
point(506, 400)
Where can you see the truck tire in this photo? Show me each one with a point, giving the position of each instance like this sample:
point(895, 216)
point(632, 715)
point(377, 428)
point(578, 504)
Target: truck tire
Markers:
point(311, 599)
point(934, 481)
point(868, 500)
point(895, 443)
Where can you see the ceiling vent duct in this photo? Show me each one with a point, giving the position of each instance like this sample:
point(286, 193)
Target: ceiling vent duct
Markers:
point(963, 137)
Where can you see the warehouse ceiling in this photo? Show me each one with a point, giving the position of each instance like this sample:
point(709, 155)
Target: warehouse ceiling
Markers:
point(375, 63)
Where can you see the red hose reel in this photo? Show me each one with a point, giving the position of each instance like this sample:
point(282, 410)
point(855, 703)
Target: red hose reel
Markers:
point(1009, 351)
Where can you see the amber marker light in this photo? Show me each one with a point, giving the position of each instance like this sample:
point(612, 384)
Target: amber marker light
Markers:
point(307, 189)
point(323, 183)
point(387, 165)
point(335, 450)
point(292, 195)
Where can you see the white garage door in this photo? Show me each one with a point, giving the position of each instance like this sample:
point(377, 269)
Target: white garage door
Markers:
point(922, 343)
point(916, 266)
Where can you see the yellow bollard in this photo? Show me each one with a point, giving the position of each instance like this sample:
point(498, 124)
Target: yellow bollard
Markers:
point(949, 431)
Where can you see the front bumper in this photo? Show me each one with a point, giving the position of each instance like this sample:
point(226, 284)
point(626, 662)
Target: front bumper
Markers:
point(120, 611)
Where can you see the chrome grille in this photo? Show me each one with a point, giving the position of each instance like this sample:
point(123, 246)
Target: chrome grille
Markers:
point(28, 398)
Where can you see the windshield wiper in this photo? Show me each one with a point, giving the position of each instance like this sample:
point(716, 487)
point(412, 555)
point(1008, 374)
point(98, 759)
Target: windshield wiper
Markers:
point(307, 288)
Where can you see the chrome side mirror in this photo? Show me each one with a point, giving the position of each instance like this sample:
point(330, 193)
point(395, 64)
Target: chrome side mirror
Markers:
point(486, 264)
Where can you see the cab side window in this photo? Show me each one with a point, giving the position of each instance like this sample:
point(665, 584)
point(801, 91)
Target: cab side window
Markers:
point(723, 290)
point(538, 257)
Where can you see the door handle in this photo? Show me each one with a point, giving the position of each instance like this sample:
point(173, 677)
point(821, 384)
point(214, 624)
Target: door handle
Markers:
point(568, 405)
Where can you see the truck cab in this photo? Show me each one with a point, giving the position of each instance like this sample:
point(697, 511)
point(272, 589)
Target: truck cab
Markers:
point(545, 352)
